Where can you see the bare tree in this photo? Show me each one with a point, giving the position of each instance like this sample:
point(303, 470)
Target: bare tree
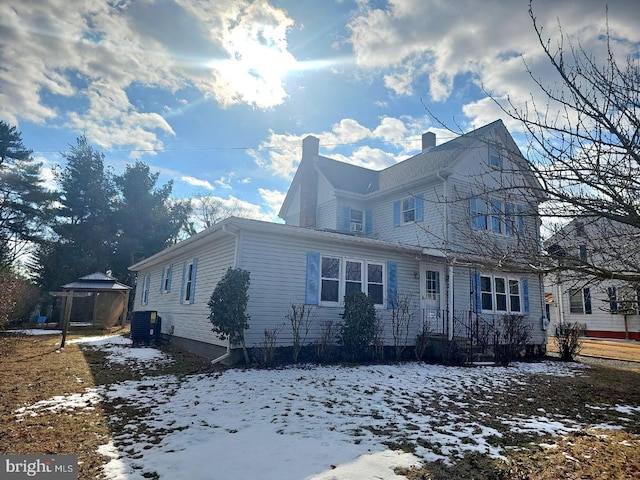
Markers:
point(584, 145)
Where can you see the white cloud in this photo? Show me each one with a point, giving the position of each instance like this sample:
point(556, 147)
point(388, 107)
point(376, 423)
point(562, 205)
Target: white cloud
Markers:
point(95, 51)
point(273, 199)
point(281, 153)
point(415, 42)
point(196, 182)
point(224, 182)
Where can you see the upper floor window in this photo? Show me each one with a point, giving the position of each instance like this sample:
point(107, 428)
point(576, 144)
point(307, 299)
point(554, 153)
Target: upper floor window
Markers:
point(408, 210)
point(357, 221)
point(496, 216)
point(495, 159)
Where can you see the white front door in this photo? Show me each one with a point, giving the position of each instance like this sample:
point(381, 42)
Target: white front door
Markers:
point(431, 278)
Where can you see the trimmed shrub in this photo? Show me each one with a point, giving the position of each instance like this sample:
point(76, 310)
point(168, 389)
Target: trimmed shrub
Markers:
point(358, 327)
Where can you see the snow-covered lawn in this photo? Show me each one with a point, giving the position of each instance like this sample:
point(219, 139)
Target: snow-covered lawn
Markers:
point(313, 422)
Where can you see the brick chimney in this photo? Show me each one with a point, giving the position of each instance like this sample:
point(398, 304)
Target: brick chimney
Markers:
point(309, 182)
point(428, 141)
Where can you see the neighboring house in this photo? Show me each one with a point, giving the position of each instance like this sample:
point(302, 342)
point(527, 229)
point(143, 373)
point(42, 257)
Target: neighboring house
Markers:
point(431, 228)
point(608, 308)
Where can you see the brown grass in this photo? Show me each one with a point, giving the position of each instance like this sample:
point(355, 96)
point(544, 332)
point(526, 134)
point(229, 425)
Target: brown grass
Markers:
point(34, 370)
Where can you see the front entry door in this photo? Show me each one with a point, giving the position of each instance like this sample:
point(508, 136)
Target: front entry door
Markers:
point(431, 298)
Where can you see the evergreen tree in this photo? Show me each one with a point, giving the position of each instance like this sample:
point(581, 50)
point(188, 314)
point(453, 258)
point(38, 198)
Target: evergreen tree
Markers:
point(84, 239)
point(24, 202)
point(147, 220)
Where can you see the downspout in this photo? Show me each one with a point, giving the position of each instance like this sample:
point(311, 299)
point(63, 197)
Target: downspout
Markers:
point(236, 237)
point(449, 264)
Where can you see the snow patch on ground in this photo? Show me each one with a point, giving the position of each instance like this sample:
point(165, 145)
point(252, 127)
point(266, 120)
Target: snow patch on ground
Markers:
point(308, 422)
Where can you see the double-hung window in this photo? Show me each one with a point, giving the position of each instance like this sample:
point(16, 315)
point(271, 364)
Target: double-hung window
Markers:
point(189, 275)
point(375, 282)
point(495, 159)
point(146, 284)
point(353, 277)
point(408, 210)
point(357, 221)
point(167, 273)
point(330, 280)
point(496, 216)
point(580, 300)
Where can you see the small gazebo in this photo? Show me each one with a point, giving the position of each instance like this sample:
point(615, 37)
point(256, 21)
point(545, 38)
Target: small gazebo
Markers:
point(97, 300)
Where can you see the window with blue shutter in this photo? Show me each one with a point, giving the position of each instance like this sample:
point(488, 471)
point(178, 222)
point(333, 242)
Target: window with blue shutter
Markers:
point(396, 213)
point(476, 293)
point(313, 278)
point(392, 283)
point(162, 278)
point(346, 218)
point(182, 285)
point(165, 283)
point(525, 295)
point(194, 270)
point(368, 222)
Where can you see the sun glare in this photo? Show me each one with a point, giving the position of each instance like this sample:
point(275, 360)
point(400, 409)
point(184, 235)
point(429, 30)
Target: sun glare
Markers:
point(258, 61)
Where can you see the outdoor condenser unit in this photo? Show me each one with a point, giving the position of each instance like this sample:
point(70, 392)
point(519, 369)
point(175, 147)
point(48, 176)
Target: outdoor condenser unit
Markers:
point(145, 327)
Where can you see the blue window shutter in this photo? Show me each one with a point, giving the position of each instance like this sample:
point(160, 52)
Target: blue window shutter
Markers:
point(524, 283)
point(194, 270)
point(313, 278)
point(162, 277)
point(587, 300)
point(346, 218)
point(396, 213)
point(392, 283)
point(169, 276)
point(184, 274)
point(368, 222)
point(420, 207)
point(476, 297)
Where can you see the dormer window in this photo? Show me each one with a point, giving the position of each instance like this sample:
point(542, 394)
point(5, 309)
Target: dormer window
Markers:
point(495, 159)
point(408, 210)
point(357, 221)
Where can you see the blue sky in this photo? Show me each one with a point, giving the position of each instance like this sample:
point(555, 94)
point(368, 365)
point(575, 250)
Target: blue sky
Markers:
point(217, 95)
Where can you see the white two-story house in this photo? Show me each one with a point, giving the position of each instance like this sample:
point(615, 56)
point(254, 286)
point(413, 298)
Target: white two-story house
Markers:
point(448, 228)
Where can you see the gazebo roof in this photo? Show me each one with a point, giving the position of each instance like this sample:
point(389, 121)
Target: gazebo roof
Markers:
point(96, 281)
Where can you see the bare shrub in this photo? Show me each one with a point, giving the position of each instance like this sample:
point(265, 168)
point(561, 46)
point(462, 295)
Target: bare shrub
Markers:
point(401, 318)
point(300, 318)
point(512, 335)
point(423, 339)
point(268, 345)
point(378, 339)
point(567, 339)
point(326, 343)
point(18, 299)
